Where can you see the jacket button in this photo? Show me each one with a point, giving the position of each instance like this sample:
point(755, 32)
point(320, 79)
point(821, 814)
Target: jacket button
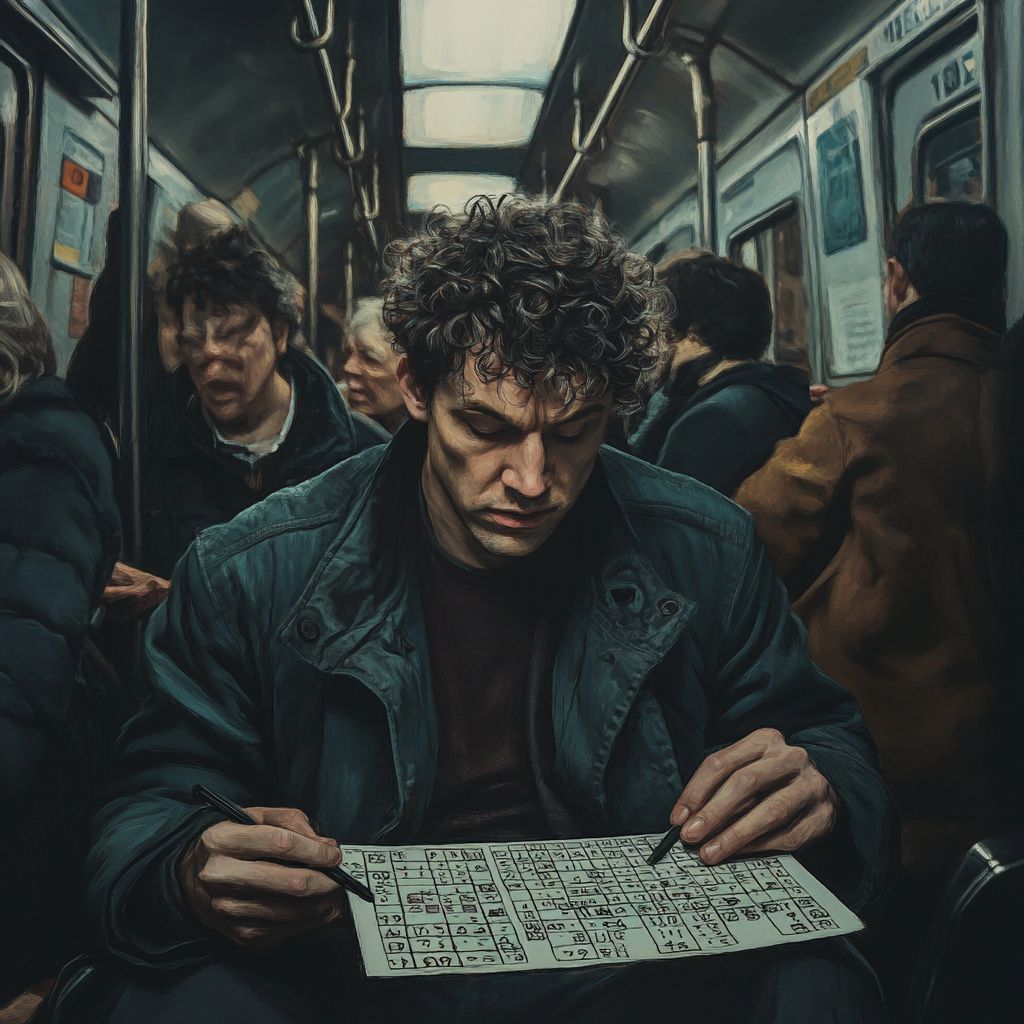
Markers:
point(668, 606)
point(308, 629)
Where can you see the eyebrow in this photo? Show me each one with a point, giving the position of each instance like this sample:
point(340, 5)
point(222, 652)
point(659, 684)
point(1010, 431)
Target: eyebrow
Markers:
point(471, 406)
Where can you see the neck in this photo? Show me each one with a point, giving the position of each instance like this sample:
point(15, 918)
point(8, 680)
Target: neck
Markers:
point(265, 417)
point(451, 532)
point(725, 364)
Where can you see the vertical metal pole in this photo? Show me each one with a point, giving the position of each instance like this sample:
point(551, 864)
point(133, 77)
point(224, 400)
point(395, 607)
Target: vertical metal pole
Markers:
point(350, 284)
point(311, 182)
point(705, 116)
point(132, 169)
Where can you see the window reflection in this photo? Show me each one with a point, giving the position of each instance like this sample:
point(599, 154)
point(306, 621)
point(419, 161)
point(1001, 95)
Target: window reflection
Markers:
point(950, 159)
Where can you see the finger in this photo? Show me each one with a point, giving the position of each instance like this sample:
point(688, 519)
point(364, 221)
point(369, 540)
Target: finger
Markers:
point(285, 817)
point(776, 812)
point(222, 876)
point(256, 842)
point(758, 776)
point(811, 827)
point(716, 767)
point(280, 909)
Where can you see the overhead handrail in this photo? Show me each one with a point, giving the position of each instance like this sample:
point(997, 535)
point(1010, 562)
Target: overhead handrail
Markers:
point(577, 116)
point(615, 92)
point(320, 41)
point(633, 48)
point(348, 153)
point(577, 113)
point(371, 210)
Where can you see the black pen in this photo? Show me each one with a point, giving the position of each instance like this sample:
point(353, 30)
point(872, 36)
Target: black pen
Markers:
point(240, 816)
point(670, 839)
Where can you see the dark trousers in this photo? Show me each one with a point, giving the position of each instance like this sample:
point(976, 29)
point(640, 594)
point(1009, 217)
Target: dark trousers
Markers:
point(817, 983)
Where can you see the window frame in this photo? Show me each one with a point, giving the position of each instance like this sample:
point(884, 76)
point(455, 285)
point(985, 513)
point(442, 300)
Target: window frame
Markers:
point(758, 225)
point(17, 209)
point(933, 126)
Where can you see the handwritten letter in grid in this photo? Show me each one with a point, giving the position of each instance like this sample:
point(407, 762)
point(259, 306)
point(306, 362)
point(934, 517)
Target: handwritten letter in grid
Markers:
point(525, 906)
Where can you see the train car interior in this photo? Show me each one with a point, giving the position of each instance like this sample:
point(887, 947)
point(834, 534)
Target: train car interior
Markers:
point(787, 135)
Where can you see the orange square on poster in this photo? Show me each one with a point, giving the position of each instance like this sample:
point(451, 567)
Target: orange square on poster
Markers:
point(74, 179)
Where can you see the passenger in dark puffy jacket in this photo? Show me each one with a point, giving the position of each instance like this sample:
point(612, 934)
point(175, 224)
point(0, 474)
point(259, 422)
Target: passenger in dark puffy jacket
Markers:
point(721, 410)
point(59, 537)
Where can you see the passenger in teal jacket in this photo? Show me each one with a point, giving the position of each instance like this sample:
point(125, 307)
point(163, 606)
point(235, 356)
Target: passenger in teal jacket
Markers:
point(334, 651)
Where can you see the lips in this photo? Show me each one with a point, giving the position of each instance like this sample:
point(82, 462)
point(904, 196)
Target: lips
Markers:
point(516, 520)
point(222, 390)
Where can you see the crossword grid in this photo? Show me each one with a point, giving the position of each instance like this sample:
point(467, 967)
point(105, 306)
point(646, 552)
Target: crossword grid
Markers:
point(440, 908)
point(583, 897)
point(583, 900)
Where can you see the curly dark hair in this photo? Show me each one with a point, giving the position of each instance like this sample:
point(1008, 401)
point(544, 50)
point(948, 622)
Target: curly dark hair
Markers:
point(542, 293)
point(231, 267)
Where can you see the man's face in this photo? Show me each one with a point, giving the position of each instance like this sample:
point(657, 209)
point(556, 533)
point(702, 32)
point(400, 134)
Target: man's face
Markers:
point(369, 372)
point(231, 353)
point(510, 462)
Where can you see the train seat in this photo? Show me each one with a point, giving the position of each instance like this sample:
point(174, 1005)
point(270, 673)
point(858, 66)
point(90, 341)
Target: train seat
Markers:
point(970, 968)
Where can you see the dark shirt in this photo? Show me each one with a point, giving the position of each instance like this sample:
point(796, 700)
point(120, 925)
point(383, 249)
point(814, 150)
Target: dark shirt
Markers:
point(491, 636)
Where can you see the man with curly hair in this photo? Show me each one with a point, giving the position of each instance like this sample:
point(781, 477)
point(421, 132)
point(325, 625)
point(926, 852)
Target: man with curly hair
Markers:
point(491, 629)
point(247, 412)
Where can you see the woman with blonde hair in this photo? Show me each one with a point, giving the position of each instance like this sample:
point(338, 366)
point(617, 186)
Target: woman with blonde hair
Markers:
point(59, 537)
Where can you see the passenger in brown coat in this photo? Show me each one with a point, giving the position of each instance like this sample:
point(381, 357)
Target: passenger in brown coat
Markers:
point(880, 518)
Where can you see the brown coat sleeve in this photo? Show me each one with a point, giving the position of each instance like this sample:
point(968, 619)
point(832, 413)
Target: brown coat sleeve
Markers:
point(795, 500)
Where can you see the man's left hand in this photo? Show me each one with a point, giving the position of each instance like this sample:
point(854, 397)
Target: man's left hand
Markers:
point(758, 794)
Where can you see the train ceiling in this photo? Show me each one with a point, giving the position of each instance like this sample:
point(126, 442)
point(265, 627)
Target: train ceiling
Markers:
point(231, 98)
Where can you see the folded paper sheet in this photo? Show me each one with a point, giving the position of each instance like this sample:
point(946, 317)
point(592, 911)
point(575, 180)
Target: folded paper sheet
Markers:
point(526, 906)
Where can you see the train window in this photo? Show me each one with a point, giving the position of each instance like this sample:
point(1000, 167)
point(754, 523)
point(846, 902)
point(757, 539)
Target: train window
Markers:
point(949, 158)
point(776, 251)
point(841, 185)
point(8, 155)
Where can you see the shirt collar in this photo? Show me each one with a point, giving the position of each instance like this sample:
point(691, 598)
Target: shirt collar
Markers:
point(252, 453)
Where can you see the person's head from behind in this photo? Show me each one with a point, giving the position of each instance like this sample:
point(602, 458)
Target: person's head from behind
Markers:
point(26, 349)
point(722, 308)
point(521, 326)
point(236, 311)
point(368, 366)
point(950, 251)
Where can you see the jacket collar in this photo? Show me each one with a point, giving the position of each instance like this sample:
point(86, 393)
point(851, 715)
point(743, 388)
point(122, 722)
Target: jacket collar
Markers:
point(318, 399)
point(360, 615)
point(944, 334)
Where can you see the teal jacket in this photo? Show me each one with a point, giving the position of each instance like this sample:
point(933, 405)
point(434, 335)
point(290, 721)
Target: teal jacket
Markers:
point(290, 668)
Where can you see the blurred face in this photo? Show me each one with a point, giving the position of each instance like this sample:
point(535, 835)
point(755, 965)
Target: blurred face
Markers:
point(369, 373)
point(231, 353)
point(504, 464)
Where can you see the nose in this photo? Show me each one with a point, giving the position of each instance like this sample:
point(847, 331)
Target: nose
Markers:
point(214, 349)
point(528, 472)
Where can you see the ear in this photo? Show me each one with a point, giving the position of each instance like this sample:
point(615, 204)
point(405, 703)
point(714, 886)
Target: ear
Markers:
point(413, 393)
point(898, 280)
point(280, 334)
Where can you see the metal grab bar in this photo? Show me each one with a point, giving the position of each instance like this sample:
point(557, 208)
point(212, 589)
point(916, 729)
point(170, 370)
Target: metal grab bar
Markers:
point(615, 92)
point(347, 152)
point(628, 39)
point(321, 40)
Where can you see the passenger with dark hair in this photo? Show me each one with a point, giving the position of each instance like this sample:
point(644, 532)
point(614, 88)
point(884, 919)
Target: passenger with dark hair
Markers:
point(881, 518)
point(248, 413)
point(490, 629)
point(59, 536)
point(722, 409)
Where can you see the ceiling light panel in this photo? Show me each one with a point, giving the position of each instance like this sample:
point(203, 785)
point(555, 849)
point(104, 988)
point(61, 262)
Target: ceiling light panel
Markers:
point(429, 189)
point(482, 40)
point(470, 115)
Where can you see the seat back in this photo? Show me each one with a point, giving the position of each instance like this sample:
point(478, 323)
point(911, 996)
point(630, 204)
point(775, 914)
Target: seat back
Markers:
point(971, 968)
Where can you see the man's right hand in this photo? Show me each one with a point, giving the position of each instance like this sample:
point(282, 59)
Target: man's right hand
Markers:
point(232, 887)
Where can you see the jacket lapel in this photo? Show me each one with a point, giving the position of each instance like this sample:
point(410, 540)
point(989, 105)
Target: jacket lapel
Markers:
point(624, 621)
point(360, 617)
